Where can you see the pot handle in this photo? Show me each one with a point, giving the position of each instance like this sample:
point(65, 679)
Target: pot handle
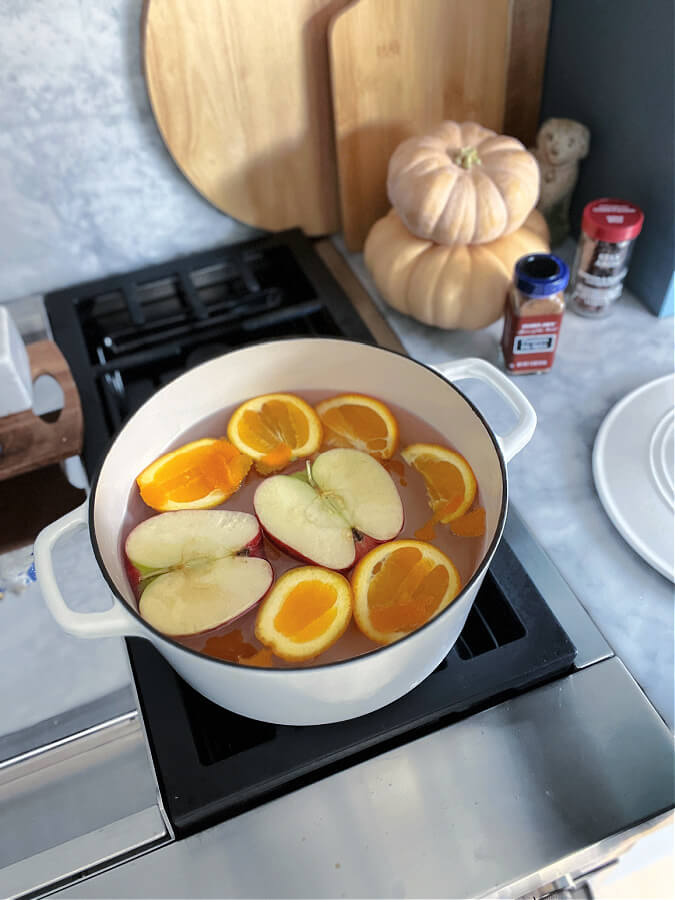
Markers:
point(513, 441)
point(113, 622)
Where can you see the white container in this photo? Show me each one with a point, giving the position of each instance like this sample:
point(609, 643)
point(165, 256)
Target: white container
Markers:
point(16, 387)
point(324, 693)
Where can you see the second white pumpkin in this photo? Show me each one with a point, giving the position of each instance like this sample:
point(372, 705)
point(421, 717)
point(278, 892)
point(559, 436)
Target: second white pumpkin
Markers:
point(450, 287)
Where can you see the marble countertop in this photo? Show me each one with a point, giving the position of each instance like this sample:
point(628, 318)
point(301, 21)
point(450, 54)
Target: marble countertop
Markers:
point(551, 482)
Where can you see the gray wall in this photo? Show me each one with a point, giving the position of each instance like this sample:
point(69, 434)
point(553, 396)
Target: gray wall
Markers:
point(610, 66)
point(86, 185)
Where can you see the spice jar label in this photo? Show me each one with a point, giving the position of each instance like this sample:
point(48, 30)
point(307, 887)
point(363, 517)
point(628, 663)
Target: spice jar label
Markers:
point(596, 297)
point(534, 309)
point(529, 342)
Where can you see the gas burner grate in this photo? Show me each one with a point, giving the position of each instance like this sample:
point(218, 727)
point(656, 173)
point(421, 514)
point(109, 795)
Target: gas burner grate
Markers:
point(129, 380)
point(144, 313)
point(492, 623)
point(127, 336)
point(227, 733)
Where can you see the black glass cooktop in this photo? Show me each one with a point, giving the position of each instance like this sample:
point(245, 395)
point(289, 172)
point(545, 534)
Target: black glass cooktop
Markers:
point(126, 336)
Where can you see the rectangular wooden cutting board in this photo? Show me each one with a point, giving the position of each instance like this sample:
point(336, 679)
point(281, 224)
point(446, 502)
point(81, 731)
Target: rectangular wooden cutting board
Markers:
point(401, 66)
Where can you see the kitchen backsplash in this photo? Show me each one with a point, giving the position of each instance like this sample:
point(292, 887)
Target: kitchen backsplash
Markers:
point(87, 185)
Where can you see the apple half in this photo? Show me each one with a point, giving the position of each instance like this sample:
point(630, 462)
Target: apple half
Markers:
point(345, 504)
point(197, 568)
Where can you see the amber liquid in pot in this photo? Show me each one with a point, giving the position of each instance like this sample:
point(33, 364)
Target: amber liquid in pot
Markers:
point(238, 638)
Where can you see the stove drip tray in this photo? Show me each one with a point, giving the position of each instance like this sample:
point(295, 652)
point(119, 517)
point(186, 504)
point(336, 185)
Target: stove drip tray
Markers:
point(212, 764)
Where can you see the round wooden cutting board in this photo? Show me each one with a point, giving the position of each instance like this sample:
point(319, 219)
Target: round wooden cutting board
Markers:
point(241, 94)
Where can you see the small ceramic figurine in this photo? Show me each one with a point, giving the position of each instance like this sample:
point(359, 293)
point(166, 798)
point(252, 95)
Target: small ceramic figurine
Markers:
point(561, 143)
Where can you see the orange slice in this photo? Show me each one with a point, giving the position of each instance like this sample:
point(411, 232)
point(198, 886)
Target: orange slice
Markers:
point(361, 422)
point(263, 659)
point(231, 647)
point(305, 613)
point(196, 476)
point(450, 482)
point(275, 429)
point(399, 586)
point(471, 524)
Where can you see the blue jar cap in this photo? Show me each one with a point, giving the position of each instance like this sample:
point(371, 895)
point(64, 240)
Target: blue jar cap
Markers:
point(541, 274)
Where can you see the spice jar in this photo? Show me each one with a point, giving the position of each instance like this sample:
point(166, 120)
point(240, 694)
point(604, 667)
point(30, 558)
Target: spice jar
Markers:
point(608, 230)
point(534, 311)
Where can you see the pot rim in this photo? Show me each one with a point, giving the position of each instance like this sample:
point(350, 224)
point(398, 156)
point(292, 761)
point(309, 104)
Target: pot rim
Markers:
point(477, 575)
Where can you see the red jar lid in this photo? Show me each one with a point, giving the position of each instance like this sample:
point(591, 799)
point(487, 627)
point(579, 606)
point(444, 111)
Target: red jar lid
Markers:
point(613, 220)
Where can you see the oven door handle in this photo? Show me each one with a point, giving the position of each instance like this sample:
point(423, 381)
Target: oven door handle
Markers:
point(113, 622)
point(526, 418)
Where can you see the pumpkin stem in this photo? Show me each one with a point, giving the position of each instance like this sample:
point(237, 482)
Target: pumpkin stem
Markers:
point(466, 157)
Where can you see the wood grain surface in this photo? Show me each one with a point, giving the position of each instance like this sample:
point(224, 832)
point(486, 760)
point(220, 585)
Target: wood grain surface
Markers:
point(240, 90)
point(528, 40)
point(401, 66)
point(33, 500)
point(27, 441)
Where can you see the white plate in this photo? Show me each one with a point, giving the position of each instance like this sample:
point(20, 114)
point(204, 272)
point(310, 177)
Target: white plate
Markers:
point(634, 471)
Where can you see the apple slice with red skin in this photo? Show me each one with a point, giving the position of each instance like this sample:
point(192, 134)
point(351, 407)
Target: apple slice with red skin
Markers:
point(345, 505)
point(197, 568)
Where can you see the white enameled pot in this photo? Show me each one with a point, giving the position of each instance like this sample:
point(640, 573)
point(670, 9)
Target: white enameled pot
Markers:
point(324, 693)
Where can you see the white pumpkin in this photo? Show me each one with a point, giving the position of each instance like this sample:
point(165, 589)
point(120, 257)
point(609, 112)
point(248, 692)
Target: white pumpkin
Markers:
point(462, 184)
point(451, 287)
